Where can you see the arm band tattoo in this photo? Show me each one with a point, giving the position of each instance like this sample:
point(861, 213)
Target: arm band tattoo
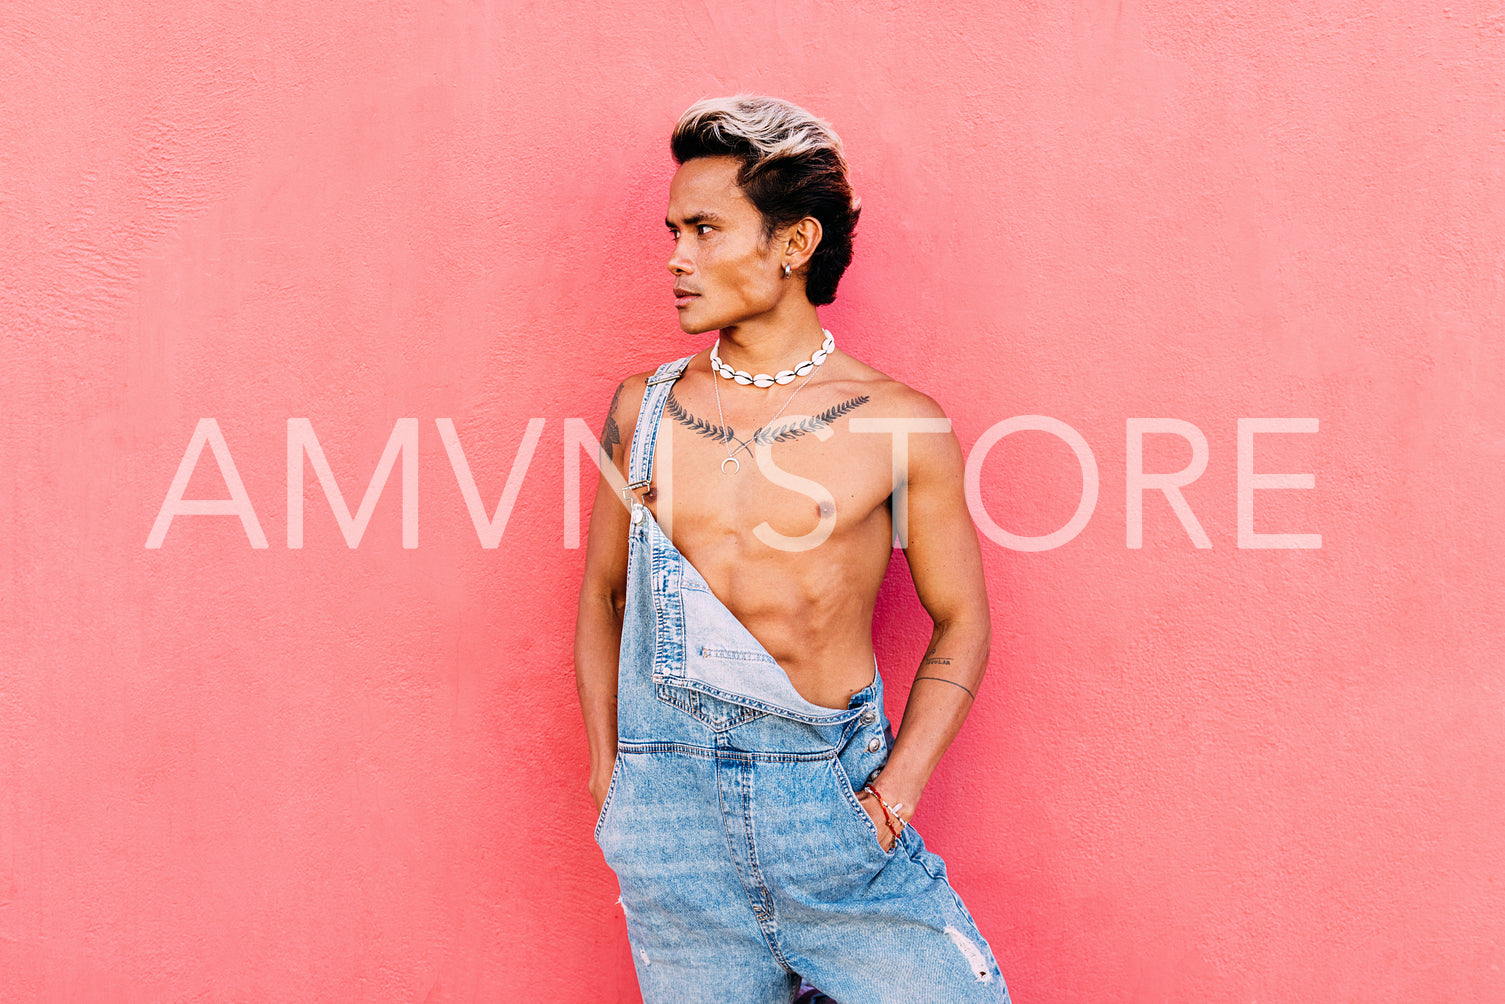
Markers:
point(944, 680)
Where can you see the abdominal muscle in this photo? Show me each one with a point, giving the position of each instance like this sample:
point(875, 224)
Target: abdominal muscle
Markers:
point(811, 610)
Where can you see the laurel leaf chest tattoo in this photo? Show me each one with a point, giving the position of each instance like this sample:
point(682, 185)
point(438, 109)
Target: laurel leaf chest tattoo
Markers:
point(700, 426)
point(766, 435)
point(810, 424)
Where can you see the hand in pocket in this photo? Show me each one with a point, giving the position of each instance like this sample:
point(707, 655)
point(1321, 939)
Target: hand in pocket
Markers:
point(871, 806)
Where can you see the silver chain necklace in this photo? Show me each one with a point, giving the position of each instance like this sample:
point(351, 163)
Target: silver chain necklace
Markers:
point(731, 455)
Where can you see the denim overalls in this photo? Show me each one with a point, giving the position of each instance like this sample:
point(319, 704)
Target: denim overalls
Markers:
point(744, 859)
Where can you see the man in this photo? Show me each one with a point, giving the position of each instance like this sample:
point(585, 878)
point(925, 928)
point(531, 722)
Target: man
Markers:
point(724, 644)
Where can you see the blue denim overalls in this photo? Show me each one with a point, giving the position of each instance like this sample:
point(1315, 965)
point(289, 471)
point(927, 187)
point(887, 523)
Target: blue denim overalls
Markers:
point(744, 858)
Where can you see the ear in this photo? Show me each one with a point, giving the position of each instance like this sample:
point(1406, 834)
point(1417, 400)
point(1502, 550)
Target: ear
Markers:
point(800, 242)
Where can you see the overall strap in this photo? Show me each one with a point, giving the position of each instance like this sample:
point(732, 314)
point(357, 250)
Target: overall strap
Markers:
point(640, 463)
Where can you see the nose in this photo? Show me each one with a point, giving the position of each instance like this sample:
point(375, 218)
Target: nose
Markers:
point(679, 262)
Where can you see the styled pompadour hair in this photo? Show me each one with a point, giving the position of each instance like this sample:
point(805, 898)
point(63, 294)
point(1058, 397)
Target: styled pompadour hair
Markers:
point(792, 167)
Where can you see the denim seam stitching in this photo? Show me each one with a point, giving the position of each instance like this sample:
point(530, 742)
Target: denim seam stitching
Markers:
point(761, 917)
point(711, 753)
point(684, 749)
point(746, 655)
point(611, 789)
point(665, 693)
point(836, 718)
point(849, 795)
point(767, 918)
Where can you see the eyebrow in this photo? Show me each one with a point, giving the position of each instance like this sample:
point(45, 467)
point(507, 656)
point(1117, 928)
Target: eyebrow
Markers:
point(704, 216)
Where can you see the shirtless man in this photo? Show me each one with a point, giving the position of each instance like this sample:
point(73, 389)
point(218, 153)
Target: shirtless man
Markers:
point(724, 649)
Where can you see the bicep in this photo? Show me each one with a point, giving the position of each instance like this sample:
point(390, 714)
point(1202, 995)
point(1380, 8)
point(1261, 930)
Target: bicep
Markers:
point(606, 540)
point(945, 559)
point(606, 545)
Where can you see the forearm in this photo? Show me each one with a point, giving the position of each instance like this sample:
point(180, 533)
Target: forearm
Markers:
point(598, 640)
point(944, 689)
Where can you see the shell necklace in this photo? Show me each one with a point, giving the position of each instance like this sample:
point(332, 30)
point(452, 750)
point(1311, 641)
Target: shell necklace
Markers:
point(806, 369)
point(782, 376)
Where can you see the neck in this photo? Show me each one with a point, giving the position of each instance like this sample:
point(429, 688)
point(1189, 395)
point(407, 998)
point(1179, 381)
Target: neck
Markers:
point(768, 345)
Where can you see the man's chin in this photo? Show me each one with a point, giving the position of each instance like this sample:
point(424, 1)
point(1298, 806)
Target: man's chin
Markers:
point(693, 326)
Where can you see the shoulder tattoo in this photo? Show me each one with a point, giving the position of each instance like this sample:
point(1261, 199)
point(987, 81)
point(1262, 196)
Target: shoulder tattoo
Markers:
point(611, 435)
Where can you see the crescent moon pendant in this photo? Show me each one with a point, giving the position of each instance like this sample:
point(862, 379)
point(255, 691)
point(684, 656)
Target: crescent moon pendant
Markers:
point(736, 465)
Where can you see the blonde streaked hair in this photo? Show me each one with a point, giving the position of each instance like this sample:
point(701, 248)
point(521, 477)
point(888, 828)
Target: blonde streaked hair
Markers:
point(792, 167)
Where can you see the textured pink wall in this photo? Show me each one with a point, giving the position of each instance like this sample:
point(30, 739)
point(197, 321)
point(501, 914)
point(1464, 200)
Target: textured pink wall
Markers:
point(230, 773)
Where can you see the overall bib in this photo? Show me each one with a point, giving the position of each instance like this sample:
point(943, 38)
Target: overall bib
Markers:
point(744, 859)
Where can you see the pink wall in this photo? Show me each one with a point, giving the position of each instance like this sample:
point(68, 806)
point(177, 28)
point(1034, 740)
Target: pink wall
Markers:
point(230, 773)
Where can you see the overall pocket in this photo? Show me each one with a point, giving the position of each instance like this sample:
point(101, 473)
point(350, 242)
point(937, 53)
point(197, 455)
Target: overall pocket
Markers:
point(867, 831)
point(611, 789)
point(712, 712)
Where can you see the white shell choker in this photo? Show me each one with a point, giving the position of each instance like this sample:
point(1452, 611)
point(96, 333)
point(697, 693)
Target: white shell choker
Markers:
point(782, 376)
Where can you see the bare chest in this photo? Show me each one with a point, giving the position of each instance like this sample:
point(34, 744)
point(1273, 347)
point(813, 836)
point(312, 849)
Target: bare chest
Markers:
point(788, 486)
